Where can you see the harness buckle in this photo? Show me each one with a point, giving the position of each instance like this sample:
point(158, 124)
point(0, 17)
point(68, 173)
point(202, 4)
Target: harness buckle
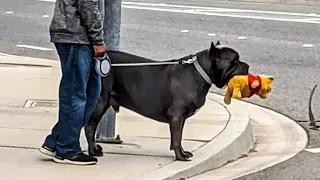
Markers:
point(189, 61)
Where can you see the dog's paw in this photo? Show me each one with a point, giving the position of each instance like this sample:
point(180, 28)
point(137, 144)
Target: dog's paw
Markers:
point(97, 151)
point(184, 156)
point(188, 154)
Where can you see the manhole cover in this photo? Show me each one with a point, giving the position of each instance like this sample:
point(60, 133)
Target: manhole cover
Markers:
point(32, 103)
point(24, 65)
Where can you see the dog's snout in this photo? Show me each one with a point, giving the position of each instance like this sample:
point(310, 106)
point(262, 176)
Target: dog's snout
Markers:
point(244, 68)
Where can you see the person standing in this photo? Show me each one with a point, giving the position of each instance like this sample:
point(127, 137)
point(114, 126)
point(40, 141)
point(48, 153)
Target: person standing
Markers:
point(76, 30)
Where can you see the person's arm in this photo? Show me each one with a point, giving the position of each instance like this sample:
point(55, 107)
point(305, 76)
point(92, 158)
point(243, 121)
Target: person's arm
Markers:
point(92, 19)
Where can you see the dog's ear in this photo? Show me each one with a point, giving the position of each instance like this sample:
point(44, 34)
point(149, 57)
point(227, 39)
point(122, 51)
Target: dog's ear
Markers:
point(214, 51)
point(218, 43)
point(212, 46)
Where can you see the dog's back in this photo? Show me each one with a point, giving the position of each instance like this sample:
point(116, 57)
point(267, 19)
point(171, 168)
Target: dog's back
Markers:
point(146, 87)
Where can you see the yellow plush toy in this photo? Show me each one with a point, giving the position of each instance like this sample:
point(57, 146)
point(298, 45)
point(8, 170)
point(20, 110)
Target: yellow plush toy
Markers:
point(246, 86)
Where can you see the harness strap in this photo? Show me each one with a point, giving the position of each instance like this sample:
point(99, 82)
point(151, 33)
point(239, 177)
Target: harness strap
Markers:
point(202, 72)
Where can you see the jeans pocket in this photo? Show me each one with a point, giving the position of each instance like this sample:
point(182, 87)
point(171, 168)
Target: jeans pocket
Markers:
point(87, 49)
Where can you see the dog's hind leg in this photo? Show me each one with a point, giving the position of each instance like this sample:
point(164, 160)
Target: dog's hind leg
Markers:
point(90, 129)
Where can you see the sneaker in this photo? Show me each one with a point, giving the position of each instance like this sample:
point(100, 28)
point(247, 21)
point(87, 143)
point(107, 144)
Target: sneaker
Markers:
point(46, 151)
point(81, 159)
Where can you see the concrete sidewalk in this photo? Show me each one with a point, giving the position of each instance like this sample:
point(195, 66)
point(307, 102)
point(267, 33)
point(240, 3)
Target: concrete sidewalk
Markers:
point(227, 141)
point(277, 139)
point(28, 94)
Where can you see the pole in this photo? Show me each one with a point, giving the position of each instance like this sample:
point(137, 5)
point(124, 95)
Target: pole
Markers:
point(112, 23)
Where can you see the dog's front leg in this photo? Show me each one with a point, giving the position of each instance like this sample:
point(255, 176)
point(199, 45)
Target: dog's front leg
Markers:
point(176, 124)
point(185, 153)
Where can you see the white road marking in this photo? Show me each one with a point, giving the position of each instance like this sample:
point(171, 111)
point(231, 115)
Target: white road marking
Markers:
point(184, 31)
point(308, 19)
point(223, 12)
point(313, 150)
point(34, 47)
point(211, 34)
point(312, 19)
point(45, 16)
point(242, 37)
point(9, 12)
point(47, 0)
point(212, 8)
point(307, 45)
point(221, 9)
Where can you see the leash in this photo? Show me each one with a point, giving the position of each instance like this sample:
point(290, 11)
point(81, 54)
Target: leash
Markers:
point(103, 65)
point(143, 64)
point(188, 61)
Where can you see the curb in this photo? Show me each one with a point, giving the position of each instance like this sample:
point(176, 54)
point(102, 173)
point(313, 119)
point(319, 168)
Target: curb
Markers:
point(29, 60)
point(237, 139)
point(297, 140)
point(285, 139)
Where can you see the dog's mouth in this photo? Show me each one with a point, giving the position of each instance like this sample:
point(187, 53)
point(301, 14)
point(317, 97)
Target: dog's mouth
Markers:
point(241, 69)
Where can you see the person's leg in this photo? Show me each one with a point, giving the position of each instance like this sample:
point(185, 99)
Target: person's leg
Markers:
point(72, 102)
point(49, 145)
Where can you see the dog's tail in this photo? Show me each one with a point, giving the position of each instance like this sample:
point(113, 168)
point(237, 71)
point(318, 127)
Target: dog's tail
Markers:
point(113, 101)
point(311, 117)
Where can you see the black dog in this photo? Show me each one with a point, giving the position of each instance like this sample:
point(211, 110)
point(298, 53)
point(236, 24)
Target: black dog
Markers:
point(165, 93)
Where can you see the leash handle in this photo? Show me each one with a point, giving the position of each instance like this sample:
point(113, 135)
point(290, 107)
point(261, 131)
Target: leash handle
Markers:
point(105, 56)
point(103, 65)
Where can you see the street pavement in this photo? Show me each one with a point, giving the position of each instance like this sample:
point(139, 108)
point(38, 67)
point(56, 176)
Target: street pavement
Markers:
point(274, 39)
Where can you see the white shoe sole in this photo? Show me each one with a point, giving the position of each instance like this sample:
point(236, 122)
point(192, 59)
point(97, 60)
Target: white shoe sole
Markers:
point(46, 152)
point(66, 161)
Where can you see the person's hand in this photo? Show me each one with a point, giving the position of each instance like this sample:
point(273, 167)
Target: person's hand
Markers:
point(99, 50)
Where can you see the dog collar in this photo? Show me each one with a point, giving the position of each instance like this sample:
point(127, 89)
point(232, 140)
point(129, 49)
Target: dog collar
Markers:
point(196, 64)
point(252, 78)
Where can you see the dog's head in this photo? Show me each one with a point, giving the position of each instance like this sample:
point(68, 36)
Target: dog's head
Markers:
point(225, 64)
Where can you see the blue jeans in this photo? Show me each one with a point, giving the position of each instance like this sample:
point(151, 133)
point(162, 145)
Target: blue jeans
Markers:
point(79, 91)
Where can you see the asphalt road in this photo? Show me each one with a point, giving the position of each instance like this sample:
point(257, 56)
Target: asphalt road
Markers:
point(281, 43)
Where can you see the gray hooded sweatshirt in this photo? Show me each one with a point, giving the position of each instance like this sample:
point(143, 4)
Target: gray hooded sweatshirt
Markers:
point(77, 21)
